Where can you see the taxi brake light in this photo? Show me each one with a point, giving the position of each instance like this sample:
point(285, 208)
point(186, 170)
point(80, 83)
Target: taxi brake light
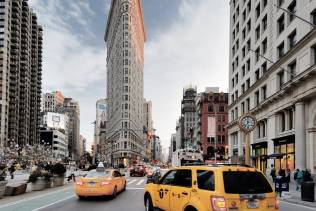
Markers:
point(79, 183)
point(218, 203)
point(105, 183)
point(277, 203)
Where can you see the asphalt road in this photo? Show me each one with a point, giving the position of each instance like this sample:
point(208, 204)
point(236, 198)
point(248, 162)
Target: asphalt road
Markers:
point(130, 200)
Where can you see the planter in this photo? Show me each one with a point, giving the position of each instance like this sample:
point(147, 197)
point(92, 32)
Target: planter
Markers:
point(40, 184)
point(49, 183)
point(2, 187)
point(58, 180)
point(17, 189)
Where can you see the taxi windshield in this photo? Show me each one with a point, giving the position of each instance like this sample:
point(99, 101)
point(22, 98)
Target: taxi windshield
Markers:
point(245, 182)
point(97, 174)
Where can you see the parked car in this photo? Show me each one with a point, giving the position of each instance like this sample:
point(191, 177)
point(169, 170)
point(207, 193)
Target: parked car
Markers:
point(137, 170)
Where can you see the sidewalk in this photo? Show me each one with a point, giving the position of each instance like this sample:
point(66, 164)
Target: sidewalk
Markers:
point(294, 197)
point(22, 177)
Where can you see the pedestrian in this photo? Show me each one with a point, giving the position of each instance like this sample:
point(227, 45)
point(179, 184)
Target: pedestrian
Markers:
point(12, 170)
point(72, 174)
point(273, 173)
point(298, 177)
point(288, 176)
point(281, 180)
point(307, 176)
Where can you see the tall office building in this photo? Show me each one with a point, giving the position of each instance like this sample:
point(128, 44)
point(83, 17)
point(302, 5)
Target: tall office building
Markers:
point(272, 67)
point(20, 73)
point(125, 37)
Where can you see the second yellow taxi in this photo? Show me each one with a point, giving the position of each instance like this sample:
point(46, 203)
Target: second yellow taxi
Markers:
point(100, 182)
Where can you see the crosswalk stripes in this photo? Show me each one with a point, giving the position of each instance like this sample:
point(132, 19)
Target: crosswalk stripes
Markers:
point(132, 181)
point(136, 182)
point(140, 182)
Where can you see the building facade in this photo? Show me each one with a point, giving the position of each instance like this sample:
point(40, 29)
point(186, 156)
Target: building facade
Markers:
point(20, 73)
point(125, 37)
point(212, 109)
point(82, 145)
point(51, 101)
point(148, 124)
point(72, 109)
point(272, 67)
point(189, 117)
point(100, 126)
point(55, 142)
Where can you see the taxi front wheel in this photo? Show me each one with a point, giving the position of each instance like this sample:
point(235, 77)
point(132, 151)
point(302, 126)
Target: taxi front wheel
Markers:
point(148, 204)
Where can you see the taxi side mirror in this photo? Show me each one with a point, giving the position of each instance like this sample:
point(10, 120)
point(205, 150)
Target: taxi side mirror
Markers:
point(123, 175)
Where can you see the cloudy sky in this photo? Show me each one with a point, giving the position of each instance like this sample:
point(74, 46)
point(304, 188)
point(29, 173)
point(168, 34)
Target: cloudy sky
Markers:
point(187, 44)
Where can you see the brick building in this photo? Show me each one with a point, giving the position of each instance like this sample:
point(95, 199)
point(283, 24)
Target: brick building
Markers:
point(212, 117)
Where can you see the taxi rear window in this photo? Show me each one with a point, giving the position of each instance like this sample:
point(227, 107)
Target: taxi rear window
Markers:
point(245, 182)
point(98, 174)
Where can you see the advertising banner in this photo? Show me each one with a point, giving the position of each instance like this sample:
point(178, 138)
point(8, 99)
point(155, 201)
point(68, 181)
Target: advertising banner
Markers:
point(211, 127)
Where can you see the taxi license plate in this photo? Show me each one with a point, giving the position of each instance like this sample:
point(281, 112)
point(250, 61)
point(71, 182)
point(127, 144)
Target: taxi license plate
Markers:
point(91, 184)
point(252, 205)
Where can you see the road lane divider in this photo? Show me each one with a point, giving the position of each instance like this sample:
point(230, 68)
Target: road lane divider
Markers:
point(56, 202)
point(35, 197)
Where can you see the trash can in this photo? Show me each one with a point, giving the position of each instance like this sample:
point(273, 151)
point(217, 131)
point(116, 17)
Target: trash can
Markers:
point(308, 191)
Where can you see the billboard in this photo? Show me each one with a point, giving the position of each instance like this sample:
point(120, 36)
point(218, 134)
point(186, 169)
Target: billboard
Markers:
point(211, 126)
point(101, 114)
point(55, 120)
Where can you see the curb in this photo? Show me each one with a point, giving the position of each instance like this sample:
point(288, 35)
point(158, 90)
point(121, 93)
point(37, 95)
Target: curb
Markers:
point(300, 202)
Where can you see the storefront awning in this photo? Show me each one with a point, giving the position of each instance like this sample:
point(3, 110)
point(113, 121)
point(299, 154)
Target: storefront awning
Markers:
point(262, 157)
point(263, 144)
point(276, 156)
point(284, 140)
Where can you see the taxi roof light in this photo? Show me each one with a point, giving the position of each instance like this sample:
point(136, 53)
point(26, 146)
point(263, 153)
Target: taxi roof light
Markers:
point(218, 203)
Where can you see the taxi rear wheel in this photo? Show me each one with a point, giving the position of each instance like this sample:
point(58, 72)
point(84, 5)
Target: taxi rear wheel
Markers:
point(148, 204)
point(124, 188)
point(81, 197)
point(114, 194)
point(190, 208)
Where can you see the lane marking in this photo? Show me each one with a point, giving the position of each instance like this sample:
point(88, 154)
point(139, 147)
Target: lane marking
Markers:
point(140, 182)
point(298, 205)
point(35, 197)
point(132, 181)
point(135, 188)
point(56, 202)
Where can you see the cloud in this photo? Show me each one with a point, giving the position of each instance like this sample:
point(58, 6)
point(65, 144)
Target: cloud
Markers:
point(193, 50)
point(70, 63)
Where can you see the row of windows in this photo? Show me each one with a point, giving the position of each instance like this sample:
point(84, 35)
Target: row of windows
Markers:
point(221, 108)
point(283, 76)
point(219, 140)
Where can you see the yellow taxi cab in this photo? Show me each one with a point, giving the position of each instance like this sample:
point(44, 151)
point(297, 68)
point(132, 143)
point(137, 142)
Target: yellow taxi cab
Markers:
point(211, 188)
point(106, 182)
